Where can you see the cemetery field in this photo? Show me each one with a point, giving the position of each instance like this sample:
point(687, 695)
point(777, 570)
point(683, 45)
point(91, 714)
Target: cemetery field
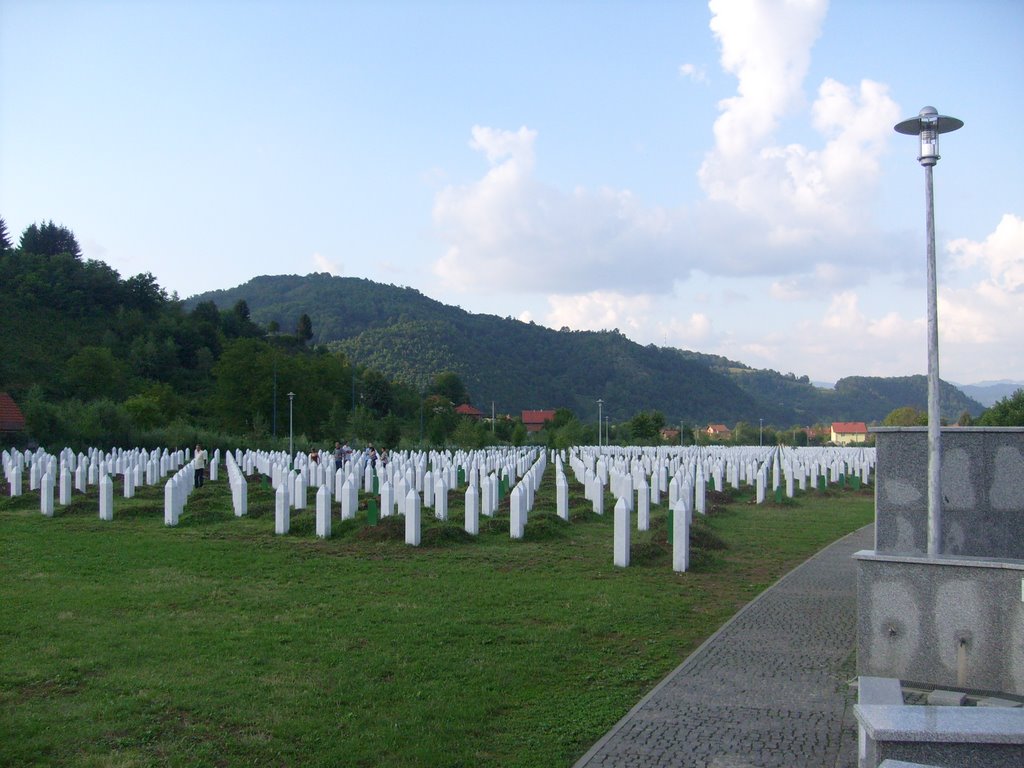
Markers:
point(216, 642)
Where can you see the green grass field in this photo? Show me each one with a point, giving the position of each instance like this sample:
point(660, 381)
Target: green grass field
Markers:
point(128, 643)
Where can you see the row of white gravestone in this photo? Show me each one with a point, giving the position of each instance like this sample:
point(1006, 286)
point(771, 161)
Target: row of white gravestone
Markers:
point(685, 476)
point(68, 472)
point(776, 466)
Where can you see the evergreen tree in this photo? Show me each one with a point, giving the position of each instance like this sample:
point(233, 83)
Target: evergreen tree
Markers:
point(5, 241)
point(49, 240)
point(304, 329)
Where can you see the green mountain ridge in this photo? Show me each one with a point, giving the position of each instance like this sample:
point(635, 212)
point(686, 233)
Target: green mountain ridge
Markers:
point(516, 366)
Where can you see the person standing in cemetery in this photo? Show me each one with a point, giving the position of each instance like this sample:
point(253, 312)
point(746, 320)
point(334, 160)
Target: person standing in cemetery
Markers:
point(199, 464)
point(339, 456)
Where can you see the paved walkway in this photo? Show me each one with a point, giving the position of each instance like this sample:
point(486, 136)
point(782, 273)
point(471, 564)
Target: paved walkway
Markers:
point(768, 689)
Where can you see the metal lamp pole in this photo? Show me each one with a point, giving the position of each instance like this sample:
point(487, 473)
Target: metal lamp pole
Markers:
point(291, 433)
point(927, 126)
point(600, 405)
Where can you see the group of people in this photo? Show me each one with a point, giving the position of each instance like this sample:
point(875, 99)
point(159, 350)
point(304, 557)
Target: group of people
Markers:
point(343, 453)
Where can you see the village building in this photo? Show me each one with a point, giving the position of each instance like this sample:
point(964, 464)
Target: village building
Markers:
point(849, 432)
point(534, 421)
point(718, 432)
point(468, 410)
point(11, 417)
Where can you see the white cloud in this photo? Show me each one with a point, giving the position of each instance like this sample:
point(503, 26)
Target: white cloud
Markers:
point(511, 231)
point(323, 264)
point(599, 310)
point(981, 297)
point(767, 47)
point(693, 72)
point(1001, 254)
point(782, 210)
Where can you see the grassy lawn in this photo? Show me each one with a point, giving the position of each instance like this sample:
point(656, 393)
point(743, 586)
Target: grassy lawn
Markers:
point(218, 643)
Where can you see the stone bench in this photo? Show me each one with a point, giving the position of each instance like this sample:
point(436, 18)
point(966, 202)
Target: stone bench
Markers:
point(952, 737)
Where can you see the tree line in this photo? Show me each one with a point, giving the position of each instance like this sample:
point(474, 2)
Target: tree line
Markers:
point(96, 359)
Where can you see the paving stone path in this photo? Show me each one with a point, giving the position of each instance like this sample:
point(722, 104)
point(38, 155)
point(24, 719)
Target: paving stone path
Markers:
point(768, 689)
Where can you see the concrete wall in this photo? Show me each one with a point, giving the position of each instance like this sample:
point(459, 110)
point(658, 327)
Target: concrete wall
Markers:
point(982, 490)
point(946, 622)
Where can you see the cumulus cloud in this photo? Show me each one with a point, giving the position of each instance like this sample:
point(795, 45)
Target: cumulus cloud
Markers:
point(981, 297)
point(511, 229)
point(598, 310)
point(802, 194)
point(771, 209)
point(1000, 255)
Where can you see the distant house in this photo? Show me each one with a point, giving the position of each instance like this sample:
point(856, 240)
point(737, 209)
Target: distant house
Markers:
point(818, 433)
point(847, 432)
point(718, 432)
point(670, 435)
point(468, 410)
point(534, 421)
point(11, 417)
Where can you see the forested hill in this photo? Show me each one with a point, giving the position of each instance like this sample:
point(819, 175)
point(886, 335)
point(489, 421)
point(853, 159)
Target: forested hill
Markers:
point(517, 365)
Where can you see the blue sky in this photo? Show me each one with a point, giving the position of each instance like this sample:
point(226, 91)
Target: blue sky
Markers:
point(720, 177)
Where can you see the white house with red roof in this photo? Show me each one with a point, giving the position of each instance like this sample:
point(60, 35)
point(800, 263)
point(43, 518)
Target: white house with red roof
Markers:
point(848, 432)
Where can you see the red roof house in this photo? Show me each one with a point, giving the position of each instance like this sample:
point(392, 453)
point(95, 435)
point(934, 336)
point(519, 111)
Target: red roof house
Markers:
point(719, 432)
point(846, 432)
point(468, 410)
point(534, 421)
point(11, 417)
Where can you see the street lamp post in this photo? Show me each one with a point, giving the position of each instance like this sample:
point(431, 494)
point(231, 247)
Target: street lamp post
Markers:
point(927, 126)
point(600, 405)
point(760, 432)
point(291, 433)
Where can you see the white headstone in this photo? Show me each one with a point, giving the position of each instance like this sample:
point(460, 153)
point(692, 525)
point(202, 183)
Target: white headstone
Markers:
point(323, 513)
point(65, 486)
point(643, 506)
point(387, 499)
point(282, 510)
point(45, 494)
point(622, 533)
point(517, 513)
point(349, 499)
point(170, 503)
point(472, 511)
point(412, 518)
point(440, 499)
point(680, 537)
point(562, 496)
point(106, 498)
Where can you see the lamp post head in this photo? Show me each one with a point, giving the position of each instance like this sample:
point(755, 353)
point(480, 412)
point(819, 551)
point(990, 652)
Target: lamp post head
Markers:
point(928, 125)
